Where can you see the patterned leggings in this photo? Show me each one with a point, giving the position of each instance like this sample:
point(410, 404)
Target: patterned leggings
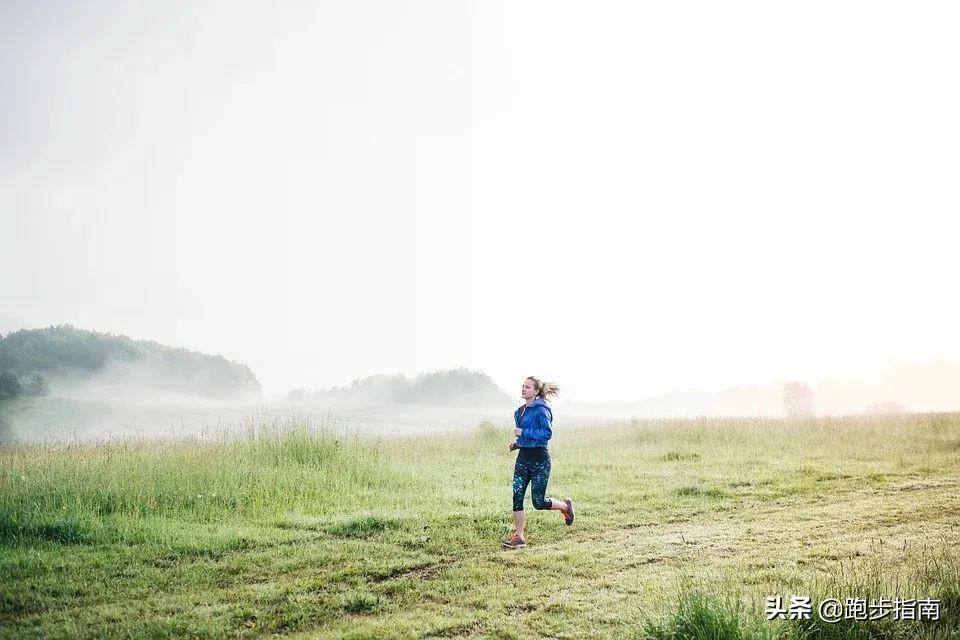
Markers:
point(535, 472)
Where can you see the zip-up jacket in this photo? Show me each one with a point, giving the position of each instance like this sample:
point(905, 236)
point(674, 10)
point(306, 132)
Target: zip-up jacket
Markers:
point(535, 422)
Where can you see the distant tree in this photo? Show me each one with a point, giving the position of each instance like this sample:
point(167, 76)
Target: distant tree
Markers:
point(798, 400)
point(449, 386)
point(10, 386)
point(35, 386)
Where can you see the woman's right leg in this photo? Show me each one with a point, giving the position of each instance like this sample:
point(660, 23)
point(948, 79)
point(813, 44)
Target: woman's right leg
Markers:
point(539, 476)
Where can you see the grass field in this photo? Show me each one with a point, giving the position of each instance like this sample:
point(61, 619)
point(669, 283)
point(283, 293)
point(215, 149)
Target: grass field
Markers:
point(683, 528)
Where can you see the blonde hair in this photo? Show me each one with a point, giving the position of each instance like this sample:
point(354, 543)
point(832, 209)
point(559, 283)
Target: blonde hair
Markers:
point(544, 389)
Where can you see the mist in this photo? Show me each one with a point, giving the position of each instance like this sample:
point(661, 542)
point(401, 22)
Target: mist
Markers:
point(124, 400)
point(680, 214)
point(156, 397)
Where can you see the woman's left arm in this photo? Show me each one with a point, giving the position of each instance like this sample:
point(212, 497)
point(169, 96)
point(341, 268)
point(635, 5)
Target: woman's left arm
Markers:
point(540, 430)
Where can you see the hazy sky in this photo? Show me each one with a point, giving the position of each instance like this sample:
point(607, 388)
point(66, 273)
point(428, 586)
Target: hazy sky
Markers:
point(626, 198)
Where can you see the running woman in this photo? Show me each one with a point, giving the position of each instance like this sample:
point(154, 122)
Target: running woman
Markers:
point(533, 428)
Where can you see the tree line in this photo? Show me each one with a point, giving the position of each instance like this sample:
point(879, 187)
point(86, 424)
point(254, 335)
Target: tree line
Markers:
point(29, 358)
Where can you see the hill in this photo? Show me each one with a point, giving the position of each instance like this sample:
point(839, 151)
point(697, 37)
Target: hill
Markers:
point(29, 359)
point(444, 387)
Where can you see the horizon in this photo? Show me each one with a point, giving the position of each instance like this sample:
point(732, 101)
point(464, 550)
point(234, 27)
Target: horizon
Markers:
point(841, 386)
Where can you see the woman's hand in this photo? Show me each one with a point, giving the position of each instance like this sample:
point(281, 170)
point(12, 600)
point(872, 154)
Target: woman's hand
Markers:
point(518, 431)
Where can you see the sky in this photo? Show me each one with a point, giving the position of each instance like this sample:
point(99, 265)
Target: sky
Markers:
point(625, 198)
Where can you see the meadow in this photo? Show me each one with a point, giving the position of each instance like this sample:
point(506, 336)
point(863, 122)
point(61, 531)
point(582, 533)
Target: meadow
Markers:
point(683, 528)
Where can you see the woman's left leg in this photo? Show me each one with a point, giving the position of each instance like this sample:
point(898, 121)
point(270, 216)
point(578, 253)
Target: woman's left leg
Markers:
point(539, 476)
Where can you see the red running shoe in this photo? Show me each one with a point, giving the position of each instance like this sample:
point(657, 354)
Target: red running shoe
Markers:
point(514, 542)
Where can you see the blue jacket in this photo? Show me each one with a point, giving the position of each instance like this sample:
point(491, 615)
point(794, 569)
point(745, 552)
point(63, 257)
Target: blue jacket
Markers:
point(535, 423)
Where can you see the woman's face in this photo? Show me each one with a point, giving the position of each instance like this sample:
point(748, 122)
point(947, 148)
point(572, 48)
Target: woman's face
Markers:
point(529, 389)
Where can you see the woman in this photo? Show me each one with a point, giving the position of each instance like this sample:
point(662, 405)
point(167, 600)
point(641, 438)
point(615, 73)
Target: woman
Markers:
point(533, 428)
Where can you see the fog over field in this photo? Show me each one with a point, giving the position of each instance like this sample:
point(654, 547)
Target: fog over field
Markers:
point(74, 384)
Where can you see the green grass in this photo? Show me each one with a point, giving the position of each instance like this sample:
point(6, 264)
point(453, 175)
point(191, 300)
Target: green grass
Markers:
point(683, 528)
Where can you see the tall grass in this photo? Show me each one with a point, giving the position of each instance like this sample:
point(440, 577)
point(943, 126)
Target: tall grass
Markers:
point(717, 611)
point(87, 492)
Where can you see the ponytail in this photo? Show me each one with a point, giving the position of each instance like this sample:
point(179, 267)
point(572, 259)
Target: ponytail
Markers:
point(544, 389)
